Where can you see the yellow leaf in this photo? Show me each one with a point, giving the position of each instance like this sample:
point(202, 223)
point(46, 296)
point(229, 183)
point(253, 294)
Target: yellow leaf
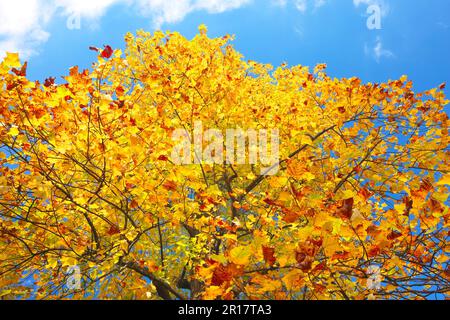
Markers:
point(307, 140)
point(347, 194)
point(270, 285)
point(13, 132)
point(251, 176)
point(293, 280)
point(444, 181)
point(52, 263)
point(211, 293)
point(203, 29)
point(240, 255)
point(441, 197)
point(308, 176)
point(68, 261)
point(219, 258)
point(442, 258)
point(285, 196)
point(230, 237)
point(4, 293)
point(277, 182)
point(12, 60)
point(400, 208)
point(331, 246)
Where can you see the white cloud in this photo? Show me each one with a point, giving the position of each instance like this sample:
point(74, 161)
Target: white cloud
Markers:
point(86, 8)
point(163, 11)
point(24, 22)
point(377, 50)
point(21, 25)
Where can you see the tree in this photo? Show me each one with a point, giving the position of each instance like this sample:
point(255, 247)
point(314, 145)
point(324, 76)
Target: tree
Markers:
point(358, 208)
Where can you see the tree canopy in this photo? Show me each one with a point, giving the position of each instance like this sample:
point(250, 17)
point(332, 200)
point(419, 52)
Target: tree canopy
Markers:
point(87, 179)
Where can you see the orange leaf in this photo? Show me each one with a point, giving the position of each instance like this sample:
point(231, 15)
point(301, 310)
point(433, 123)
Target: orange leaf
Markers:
point(170, 185)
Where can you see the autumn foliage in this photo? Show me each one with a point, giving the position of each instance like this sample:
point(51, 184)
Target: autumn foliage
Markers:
point(86, 179)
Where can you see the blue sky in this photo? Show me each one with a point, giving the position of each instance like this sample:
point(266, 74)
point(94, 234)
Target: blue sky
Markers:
point(413, 39)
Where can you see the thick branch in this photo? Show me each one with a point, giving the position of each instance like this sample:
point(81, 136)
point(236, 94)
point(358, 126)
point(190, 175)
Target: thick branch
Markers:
point(164, 289)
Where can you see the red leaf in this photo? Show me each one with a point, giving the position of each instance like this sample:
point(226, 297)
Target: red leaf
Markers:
point(373, 231)
point(49, 82)
point(120, 91)
point(341, 255)
point(304, 261)
point(317, 242)
point(300, 256)
point(306, 252)
point(320, 267)
point(442, 86)
point(22, 72)
point(374, 251)
point(11, 86)
point(163, 158)
point(113, 230)
point(134, 204)
point(319, 287)
point(273, 202)
point(394, 235)
point(107, 52)
point(408, 205)
point(426, 185)
point(269, 255)
point(435, 206)
point(224, 274)
point(346, 209)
